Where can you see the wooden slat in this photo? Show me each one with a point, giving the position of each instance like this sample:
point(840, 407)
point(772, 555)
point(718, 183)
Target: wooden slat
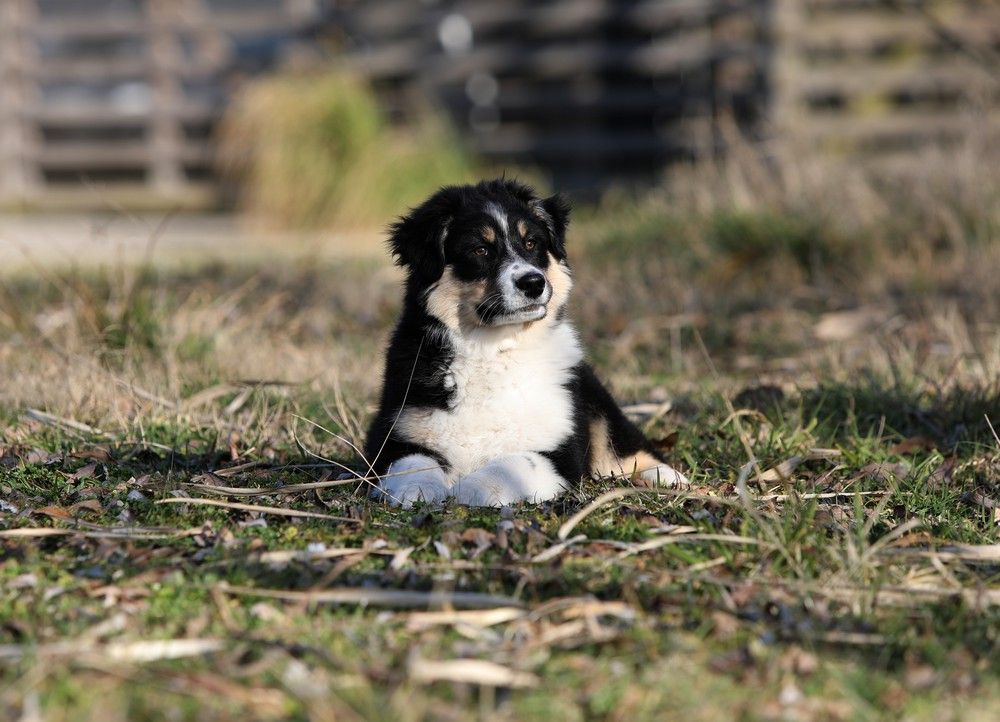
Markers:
point(256, 22)
point(526, 143)
point(90, 27)
point(655, 58)
point(850, 80)
point(111, 155)
point(558, 18)
point(855, 129)
point(100, 115)
point(76, 196)
point(110, 26)
point(814, 7)
point(858, 33)
point(114, 68)
point(554, 103)
point(584, 16)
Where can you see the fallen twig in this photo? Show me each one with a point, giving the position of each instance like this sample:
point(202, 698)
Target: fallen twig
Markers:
point(29, 532)
point(151, 650)
point(684, 538)
point(393, 598)
point(470, 671)
point(276, 510)
point(58, 421)
point(556, 549)
point(419, 621)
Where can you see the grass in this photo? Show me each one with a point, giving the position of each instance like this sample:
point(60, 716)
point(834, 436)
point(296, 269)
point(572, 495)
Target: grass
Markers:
point(323, 154)
point(836, 557)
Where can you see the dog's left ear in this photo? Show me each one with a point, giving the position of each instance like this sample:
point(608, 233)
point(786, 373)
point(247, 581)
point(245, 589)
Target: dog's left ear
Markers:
point(554, 213)
point(417, 239)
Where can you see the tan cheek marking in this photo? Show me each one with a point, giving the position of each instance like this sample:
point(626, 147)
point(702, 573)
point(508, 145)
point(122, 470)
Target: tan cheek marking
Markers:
point(454, 302)
point(489, 235)
point(522, 228)
point(560, 280)
point(443, 301)
point(471, 296)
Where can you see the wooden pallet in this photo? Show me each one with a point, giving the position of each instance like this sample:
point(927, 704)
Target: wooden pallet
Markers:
point(866, 78)
point(103, 101)
point(590, 90)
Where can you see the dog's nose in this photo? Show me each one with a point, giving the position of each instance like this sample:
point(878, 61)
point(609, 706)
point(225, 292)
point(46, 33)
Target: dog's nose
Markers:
point(531, 284)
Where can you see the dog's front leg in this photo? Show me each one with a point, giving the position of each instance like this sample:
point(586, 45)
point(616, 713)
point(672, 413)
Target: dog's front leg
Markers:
point(527, 476)
point(415, 477)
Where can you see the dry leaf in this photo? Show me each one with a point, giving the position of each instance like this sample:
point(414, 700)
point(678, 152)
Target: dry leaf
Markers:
point(88, 505)
point(84, 472)
point(96, 453)
point(885, 472)
point(914, 444)
point(56, 512)
point(842, 325)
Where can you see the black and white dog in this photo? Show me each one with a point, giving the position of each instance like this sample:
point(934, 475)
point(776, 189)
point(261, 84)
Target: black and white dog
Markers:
point(486, 396)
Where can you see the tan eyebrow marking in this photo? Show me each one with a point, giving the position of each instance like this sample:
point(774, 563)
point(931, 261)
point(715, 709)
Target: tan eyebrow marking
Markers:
point(522, 228)
point(489, 235)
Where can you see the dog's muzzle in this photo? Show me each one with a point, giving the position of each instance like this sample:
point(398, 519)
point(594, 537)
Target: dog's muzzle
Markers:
point(524, 291)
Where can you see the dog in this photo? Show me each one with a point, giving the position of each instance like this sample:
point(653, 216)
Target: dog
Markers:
point(487, 398)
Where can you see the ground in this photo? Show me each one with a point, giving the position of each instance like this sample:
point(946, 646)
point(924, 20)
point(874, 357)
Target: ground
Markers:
point(175, 541)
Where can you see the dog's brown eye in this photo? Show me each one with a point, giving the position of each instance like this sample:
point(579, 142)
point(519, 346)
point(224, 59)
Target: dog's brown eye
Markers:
point(481, 250)
point(530, 244)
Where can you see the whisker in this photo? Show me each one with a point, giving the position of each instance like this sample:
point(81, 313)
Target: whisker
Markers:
point(402, 405)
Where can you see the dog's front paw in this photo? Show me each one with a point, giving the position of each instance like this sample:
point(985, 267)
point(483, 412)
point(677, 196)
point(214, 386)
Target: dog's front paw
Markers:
point(663, 476)
point(411, 479)
point(510, 479)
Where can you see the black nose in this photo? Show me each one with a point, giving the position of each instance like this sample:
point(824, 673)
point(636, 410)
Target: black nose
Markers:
point(531, 284)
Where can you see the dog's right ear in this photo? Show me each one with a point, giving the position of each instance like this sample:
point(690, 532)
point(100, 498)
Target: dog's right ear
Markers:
point(417, 239)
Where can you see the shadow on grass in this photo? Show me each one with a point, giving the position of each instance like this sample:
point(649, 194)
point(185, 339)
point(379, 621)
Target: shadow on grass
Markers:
point(947, 418)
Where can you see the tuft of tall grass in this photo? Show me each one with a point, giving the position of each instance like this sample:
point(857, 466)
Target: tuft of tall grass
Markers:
point(315, 151)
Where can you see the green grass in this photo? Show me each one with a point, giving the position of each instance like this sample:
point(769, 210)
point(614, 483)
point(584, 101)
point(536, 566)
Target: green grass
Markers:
point(712, 628)
point(814, 593)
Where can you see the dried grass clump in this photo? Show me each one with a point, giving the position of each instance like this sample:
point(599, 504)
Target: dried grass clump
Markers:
point(315, 151)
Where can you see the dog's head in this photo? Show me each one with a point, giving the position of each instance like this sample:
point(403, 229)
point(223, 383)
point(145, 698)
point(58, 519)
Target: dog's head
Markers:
point(486, 255)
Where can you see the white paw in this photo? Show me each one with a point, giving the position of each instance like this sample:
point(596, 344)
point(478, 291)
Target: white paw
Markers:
point(663, 476)
point(510, 479)
point(411, 479)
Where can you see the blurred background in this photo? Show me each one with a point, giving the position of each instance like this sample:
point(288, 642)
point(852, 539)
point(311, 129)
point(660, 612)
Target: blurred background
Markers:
point(774, 178)
point(785, 246)
point(268, 105)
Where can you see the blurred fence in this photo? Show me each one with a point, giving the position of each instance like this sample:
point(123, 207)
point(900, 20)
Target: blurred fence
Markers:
point(124, 94)
point(588, 89)
point(882, 78)
point(115, 101)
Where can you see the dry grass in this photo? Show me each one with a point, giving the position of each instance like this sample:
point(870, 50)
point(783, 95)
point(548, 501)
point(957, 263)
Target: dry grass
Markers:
point(315, 151)
point(822, 362)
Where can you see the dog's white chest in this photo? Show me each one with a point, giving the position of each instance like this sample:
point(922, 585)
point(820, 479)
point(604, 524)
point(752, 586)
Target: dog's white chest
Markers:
point(506, 398)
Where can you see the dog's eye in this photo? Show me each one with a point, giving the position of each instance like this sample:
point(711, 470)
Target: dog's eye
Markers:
point(481, 250)
point(529, 244)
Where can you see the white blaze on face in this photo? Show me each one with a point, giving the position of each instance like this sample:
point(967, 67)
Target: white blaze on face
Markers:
point(500, 217)
point(513, 297)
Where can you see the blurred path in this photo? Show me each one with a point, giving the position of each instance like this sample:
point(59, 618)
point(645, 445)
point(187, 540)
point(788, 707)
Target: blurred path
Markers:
point(87, 240)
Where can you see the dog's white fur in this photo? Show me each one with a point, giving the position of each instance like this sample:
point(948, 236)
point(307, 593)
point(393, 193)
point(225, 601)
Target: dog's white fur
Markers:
point(489, 451)
point(500, 374)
